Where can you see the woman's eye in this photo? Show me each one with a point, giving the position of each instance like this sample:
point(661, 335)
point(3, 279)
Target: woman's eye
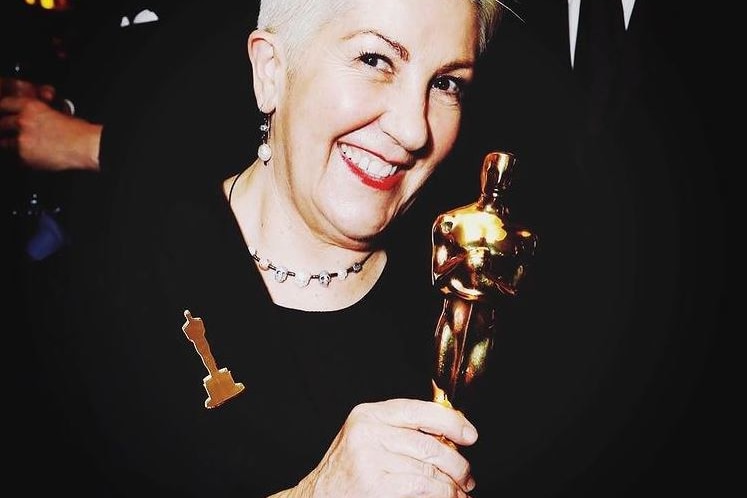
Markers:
point(375, 60)
point(450, 85)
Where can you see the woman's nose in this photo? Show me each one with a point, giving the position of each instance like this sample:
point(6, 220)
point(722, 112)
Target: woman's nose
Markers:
point(406, 120)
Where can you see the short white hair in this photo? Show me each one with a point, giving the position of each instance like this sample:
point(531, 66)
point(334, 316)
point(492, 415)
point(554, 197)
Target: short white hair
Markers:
point(295, 21)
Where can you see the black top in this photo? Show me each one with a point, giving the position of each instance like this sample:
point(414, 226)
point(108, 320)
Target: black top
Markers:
point(142, 379)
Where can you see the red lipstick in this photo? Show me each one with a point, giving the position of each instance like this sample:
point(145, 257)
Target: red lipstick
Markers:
point(387, 183)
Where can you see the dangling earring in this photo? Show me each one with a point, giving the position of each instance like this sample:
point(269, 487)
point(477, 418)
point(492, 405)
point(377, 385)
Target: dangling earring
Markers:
point(264, 152)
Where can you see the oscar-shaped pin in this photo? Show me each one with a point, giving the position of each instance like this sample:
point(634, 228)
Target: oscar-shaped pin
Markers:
point(218, 383)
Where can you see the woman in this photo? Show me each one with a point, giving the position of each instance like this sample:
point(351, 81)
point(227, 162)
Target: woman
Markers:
point(305, 368)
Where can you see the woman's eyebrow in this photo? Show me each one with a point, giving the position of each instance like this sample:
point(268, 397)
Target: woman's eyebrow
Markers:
point(397, 47)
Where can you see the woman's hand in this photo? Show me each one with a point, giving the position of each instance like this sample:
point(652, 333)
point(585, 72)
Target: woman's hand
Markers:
point(392, 448)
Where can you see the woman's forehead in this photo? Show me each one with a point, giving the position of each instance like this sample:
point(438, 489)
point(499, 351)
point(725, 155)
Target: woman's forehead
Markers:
point(435, 23)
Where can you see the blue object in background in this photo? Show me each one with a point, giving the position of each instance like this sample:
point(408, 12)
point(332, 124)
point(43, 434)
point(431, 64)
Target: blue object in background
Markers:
point(48, 238)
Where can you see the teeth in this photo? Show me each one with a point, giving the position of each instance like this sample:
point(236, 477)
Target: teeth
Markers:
point(370, 165)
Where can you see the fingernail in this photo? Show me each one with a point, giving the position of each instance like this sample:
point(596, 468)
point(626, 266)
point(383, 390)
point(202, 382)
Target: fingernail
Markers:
point(469, 433)
point(470, 485)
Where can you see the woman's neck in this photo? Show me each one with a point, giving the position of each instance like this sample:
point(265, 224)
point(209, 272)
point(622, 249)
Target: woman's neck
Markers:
point(321, 275)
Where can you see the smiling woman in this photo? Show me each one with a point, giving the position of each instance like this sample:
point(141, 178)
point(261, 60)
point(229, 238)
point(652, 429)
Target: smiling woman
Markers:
point(318, 379)
point(255, 325)
point(374, 105)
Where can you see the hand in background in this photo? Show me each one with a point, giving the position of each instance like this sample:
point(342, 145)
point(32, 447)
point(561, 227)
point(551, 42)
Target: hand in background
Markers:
point(14, 87)
point(392, 448)
point(44, 138)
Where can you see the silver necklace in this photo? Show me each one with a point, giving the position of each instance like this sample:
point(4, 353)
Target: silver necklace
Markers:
point(302, 278)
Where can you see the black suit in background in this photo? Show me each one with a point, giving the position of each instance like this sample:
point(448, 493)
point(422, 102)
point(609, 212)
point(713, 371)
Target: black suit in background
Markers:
point(612, 376)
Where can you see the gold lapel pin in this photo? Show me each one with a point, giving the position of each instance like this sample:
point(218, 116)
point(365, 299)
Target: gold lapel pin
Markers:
point(218, 383)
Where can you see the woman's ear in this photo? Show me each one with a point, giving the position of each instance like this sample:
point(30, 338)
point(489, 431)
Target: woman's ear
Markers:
point(267, 73)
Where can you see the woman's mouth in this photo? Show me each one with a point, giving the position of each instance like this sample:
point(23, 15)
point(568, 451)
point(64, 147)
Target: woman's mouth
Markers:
point(373, 171)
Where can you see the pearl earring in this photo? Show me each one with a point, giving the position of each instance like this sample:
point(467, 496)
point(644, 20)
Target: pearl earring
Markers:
point(264, 152)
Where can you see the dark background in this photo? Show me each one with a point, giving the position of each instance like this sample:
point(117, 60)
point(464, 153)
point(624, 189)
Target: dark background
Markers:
point(618, 371)
point(616, 375)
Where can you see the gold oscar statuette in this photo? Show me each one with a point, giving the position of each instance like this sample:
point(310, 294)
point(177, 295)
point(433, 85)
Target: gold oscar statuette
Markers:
point(480, 257)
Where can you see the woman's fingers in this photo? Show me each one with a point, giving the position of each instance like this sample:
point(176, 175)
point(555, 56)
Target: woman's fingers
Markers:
point(425, 416)
point(428, 456)
point(403, 484)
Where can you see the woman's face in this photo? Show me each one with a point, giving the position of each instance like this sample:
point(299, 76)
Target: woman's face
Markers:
point(373, 108)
